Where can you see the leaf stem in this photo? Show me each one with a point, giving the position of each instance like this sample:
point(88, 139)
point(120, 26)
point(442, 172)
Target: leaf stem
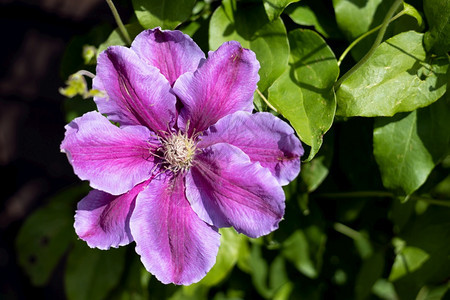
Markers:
point(350, 232)
point(361, 37)
point(375, 45)
point(266, 101)
point(382, 194)
point(122, 28)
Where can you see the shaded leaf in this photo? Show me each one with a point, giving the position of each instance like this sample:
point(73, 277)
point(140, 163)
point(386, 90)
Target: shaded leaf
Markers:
point(134, 282)
point(429, 233)
point(408, 146)
point(314, 13)
point(230, 243)
point(166, 14)
point(407, 261)
point(371, 270)
point(248, 24)
point(116, 38)
point(398, 77)
point(437, 13)
point(47, 234)
point(314, 172)
point(305, 249)
point(433, 292)
point(92, 273)
point(304, 93)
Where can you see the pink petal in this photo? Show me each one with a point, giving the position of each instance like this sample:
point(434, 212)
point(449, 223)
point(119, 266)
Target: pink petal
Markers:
point(114, 160)
point(226, 189)
point(225, 83)
point(103, 220)
point(174, 244)
point(264, 138)
point(172, 52)
point(137, 94)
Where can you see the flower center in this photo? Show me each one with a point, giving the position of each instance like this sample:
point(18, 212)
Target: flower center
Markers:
point(179, 152)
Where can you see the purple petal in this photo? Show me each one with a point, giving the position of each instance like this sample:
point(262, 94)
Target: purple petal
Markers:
point(103, 220)
point(137, 94)
point(172, 52)
point(114, 160)
point(174, 244)
point(225, 83)
point(264, 138)
point(226, 189)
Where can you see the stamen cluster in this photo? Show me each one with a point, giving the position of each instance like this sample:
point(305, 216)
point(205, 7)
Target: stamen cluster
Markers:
point(179, 151)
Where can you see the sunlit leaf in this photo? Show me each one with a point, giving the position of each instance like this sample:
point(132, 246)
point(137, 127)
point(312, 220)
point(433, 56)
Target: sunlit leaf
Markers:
point(399, 77)
point(304, 93)
point(166, 14)
point(274, 8)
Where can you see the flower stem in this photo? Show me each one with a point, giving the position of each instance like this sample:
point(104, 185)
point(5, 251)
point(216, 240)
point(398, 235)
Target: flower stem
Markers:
point(375, 45)
point(361, 37)
point(266, 101)
point(122, 28)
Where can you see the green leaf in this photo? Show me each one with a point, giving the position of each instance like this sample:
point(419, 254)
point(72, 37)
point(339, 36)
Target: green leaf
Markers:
point(429, 233)
point(115, 38)
point(371, 270)
point(314, 172)
point(304, 93)
point(274, 8)
point(407, 261)
point(304, 249)
point(92, 273)
point(46, 235)
point(437, 12)
point(357, 17)
point(314, 13)
point(398, 77)
point(433, 292)
point(166, 14)
point(134, 282)
point(248, 24)
point(230, 243)
point(408, 146)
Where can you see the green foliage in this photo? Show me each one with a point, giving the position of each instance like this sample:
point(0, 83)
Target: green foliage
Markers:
point(166, 14)
point(274, 8)
point(408, 146)
point(92, 273)
point(437, 39)
point(399, 77)
point(368, 216)
point(248, 24)
point(304, 94)
point(47, 234)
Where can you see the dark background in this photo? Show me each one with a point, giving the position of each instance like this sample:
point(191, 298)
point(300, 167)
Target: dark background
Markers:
point(34, 36)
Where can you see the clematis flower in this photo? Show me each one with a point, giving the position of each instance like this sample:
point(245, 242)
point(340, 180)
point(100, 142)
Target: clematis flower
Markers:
point(187, 158)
